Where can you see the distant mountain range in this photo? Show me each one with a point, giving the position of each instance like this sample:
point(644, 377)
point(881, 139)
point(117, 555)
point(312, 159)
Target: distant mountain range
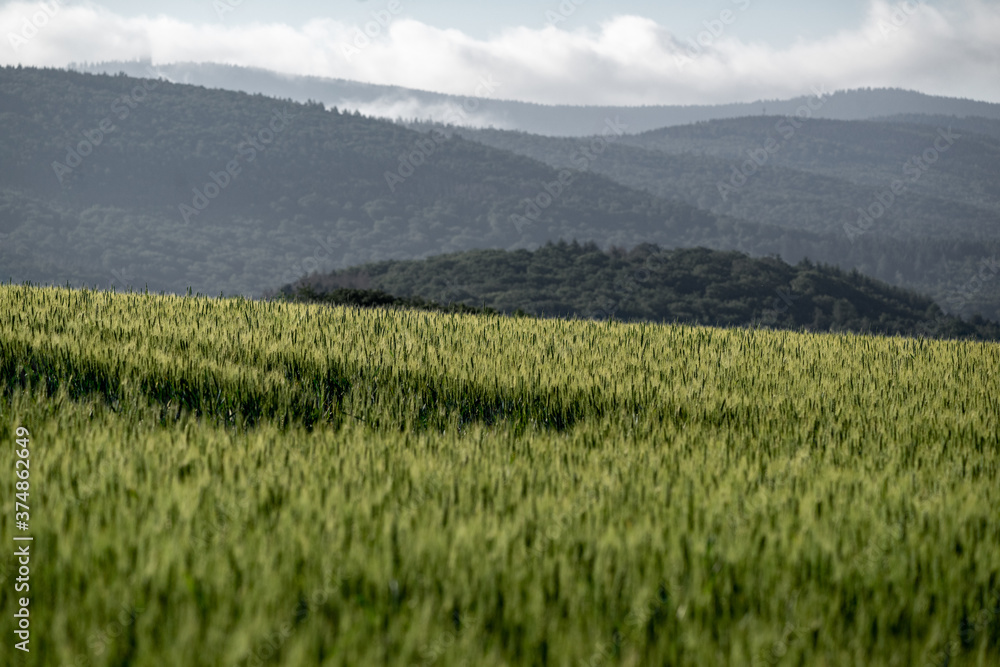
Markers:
point(938, 232)
point(135, 182)
point(115, 180)
point(723, 166)
point(491, 109)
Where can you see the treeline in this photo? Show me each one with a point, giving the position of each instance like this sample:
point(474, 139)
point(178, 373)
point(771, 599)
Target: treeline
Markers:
point(374, 298)
point(647, 283)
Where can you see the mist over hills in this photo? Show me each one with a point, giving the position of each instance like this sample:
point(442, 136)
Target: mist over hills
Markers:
point(142, 182)
point(485, 106)
point(122, 181)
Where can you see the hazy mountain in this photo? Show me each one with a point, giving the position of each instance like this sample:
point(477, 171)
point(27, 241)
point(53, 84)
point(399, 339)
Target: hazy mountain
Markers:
point(971, 124)
point(819, 186)
point(116, 179)
point(491, 109)
point(122, 181)
point(936, 235)
point(935, 160)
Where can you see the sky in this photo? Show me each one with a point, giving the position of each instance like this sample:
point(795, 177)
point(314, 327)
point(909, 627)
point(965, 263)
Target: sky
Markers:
point(626, 52)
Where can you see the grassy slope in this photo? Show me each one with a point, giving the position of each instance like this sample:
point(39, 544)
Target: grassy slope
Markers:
point(506, 492)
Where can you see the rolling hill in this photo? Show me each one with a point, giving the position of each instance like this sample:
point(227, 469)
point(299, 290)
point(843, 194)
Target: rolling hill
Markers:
point(144, 182)
point(490, 109)
point(938, 235)
point(648, 283)
point(126, 182)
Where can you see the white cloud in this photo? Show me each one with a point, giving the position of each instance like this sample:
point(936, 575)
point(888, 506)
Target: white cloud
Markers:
point(628, 60)
point(444, 112)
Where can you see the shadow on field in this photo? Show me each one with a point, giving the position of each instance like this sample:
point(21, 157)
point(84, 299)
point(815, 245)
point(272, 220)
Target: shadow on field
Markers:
point(309, 397)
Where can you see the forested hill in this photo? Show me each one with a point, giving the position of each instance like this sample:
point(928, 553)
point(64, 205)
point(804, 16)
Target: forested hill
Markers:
point(120, 181)
point(492, 110)
point(939, 234)
point(648, 283)
point(132, 182)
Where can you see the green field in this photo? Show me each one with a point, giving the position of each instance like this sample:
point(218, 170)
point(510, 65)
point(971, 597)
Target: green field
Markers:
point(229, 482)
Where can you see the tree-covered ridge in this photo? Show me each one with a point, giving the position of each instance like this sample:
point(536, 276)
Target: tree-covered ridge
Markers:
point(181, 187)
point(492, 110)
point(938, 243)
point(943, 161)
point(971, 124)
point(219, 191)
point(753, 185)
point(696, 286)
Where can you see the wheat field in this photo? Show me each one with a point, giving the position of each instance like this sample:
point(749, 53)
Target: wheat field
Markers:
point(234, 482)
